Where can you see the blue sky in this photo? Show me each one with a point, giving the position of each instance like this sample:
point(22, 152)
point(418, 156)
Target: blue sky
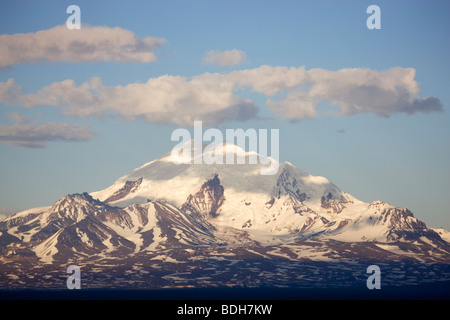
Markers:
point(397, 152)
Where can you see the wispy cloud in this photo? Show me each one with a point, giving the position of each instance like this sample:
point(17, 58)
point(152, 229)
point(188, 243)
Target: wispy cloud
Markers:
point(36, 136)
point(17, 117)
point(291, 93)
point(226, 58)
point(88, 44)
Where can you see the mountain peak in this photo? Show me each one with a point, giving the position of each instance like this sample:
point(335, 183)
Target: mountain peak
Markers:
point(163, 212)
point(73, 207)
point(83, 199)
point(208, 199)
point(222, 153)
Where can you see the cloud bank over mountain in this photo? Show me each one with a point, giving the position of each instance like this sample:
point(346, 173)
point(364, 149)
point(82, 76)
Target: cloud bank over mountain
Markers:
point(291, 93)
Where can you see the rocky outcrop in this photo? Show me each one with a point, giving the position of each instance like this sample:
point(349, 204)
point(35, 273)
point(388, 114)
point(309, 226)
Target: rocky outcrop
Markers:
point(129, 187)
point(207, 200)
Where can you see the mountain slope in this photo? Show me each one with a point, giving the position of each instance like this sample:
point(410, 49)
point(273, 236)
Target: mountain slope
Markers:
point(162, 207)
point(79, 226)
point(290, 204)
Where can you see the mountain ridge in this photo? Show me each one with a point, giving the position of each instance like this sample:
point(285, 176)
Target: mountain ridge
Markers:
point(166, 212)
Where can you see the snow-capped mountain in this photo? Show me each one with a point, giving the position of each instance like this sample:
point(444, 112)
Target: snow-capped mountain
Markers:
point(166, 211)
point(291, 204)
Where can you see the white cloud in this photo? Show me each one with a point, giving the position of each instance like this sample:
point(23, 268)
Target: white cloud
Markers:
point(17, 117)
point(226, 58)
point(165, 99)
point(352, 91)
point(361, 90)
point(10, 92)
point(269, 80)
point(90, 43)
point(291, 93)
point(36, 136)
point(295, 106)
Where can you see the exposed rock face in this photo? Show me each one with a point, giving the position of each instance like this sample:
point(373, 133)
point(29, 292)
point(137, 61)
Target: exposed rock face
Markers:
point(286, 184)
point(129, 187)
point(208, 199)
point(333, 205)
